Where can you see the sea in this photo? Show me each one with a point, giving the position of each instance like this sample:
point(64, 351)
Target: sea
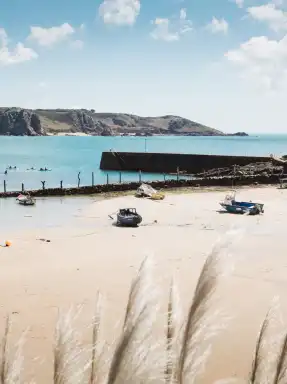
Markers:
point(66, 156)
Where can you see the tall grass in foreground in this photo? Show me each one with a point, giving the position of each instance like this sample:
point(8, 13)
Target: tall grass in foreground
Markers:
point(140, 355)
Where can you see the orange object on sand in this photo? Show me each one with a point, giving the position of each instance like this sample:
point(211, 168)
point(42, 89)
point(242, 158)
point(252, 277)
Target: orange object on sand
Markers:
point(8, 243)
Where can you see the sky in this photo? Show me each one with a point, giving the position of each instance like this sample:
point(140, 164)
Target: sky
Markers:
point(222, 63)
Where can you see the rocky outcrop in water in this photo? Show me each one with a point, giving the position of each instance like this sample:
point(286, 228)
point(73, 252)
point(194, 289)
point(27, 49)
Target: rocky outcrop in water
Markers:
point(26, 122)
point(243, 134)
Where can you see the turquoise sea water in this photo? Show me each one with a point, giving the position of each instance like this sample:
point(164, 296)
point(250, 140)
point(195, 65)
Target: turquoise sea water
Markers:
point(67, 156)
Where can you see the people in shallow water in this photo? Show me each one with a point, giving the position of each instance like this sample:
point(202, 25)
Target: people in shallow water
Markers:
point(44, 169)
point(6, 172)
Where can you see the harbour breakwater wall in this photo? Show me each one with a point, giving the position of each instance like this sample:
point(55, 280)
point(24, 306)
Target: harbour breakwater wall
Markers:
point(227, 181)
point(171, 162)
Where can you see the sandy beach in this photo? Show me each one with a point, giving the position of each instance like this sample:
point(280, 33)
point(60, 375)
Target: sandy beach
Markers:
point(90, 254)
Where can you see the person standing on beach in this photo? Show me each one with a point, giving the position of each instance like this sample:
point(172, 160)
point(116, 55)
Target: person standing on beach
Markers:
point(79, 179)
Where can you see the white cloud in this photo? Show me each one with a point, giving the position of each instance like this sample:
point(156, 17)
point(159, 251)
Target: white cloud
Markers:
point(119, 12)
point(218, 26)
point(182, 14)
point(18, 55)
point(50, 36)
point(262, 60)
point(279, 3)
point(162, 30)
point(77, 44)
point(3, 37)
point(239, 3)
point(275, 18)
point(170, 29)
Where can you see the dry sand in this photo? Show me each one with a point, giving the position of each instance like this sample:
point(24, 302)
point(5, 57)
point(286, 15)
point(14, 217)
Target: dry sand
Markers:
point(37, 278)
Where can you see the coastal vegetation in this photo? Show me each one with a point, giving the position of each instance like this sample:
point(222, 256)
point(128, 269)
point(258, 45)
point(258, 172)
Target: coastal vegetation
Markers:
point(176, 353)
point(40, 122)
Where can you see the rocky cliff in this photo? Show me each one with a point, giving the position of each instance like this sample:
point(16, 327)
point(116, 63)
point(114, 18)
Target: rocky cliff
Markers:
point(20, 122)
point(39, 122)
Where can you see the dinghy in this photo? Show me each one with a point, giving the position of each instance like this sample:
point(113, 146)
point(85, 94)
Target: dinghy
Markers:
point(128, 217)
point(26, 200)
point(242, 207)
point(145, 190)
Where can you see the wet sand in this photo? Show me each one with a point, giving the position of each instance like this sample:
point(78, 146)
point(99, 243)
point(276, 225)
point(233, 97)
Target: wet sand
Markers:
point(88, 254)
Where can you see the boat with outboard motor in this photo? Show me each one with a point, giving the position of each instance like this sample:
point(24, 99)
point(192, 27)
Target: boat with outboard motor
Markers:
point(242, 207)
point(128, 217)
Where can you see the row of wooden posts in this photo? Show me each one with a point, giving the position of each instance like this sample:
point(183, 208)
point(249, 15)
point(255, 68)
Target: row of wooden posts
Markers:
point(93, 180)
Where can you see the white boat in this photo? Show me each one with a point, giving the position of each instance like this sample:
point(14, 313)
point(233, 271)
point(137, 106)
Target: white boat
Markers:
point(145, 190)
point(26, 200)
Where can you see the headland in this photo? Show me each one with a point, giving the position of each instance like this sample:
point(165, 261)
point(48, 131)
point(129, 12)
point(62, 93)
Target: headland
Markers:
point(77, 122)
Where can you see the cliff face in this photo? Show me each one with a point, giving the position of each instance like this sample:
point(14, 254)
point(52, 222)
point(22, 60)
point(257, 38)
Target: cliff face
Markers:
point(25, 122)
point(20, 122)
point(65, 121)
point(172, 125)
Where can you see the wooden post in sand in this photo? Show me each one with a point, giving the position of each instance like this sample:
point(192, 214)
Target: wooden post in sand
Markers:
point(23, 187)
point(93, 179)
point(107, 178)
point(140, 176)
point(4, 186)
point(120, 177)
point(43, 184)
point(61, 184)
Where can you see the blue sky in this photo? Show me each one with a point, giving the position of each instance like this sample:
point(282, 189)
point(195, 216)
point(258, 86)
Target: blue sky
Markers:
point(219, 62)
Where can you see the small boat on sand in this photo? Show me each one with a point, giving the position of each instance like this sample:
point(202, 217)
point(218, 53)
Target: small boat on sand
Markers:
point(128, 217)
point(145, 190)
point(26, 200)
point(242, 207)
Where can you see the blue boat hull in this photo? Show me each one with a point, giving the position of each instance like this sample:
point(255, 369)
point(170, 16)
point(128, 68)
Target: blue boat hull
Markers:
point(243, 207)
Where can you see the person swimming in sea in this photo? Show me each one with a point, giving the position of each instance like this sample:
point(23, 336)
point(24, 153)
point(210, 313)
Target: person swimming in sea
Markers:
point(44, 169)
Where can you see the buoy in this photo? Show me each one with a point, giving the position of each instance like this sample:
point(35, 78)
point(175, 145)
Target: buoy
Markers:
point(8, 243)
